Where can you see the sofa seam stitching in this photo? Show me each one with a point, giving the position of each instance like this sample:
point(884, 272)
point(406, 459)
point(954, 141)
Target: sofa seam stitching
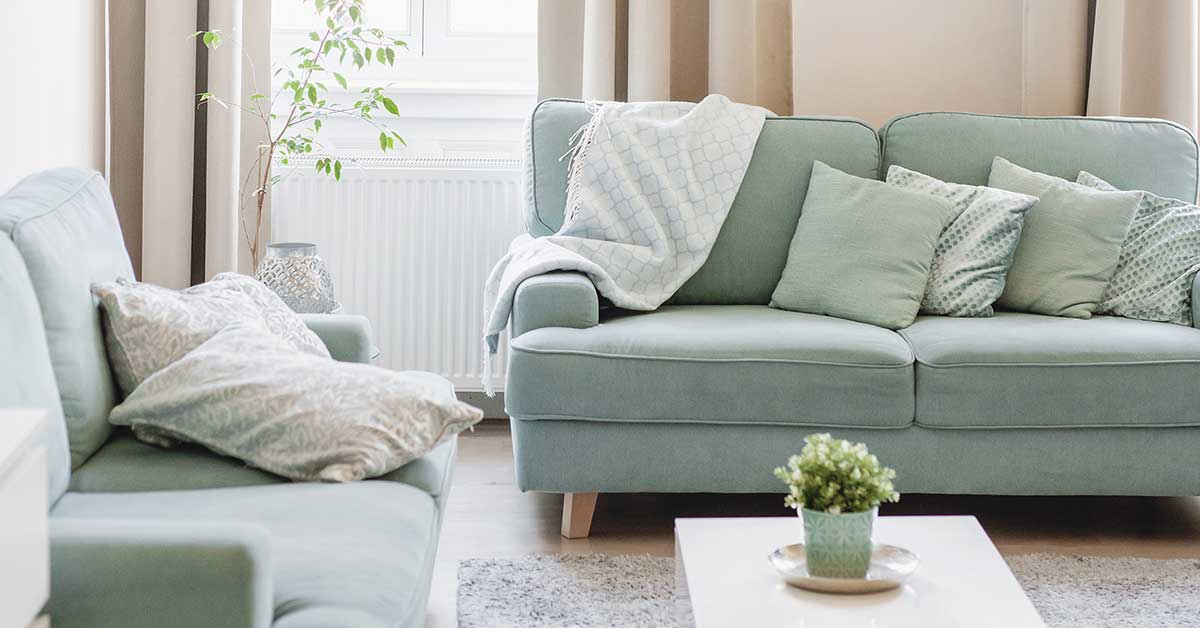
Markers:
point(1052, 364)
point(886, 129)
point(533, 144)
point(620, 356)
point(57, 206)
point(671, 421)
point(1074, 426)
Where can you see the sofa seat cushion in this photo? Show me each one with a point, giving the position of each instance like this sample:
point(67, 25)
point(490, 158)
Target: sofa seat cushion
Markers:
point(347, 555)
point(127, 464)
point(714, 364)
point(1026, 370)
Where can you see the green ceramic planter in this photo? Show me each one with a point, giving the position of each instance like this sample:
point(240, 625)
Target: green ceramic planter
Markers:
point(838, 546)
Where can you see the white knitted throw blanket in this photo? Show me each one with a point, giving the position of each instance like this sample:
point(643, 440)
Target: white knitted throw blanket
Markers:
point(648, 189)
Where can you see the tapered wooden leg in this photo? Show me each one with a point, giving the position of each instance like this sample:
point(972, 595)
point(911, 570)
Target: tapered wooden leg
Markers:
point(577, 514)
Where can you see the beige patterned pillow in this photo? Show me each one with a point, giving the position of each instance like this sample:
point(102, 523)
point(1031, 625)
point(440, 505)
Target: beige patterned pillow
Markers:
point(249, 394)
point(148, 327)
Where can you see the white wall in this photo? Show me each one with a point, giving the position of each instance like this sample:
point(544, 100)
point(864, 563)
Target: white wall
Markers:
point(873, 60)
point(52, 100)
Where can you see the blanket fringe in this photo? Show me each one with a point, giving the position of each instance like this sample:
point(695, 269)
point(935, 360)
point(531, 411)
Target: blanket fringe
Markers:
point(580, 141)
point(490, 344)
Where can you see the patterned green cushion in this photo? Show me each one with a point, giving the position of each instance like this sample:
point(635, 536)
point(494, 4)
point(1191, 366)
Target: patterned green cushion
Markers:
point(862, 250)
point(1069, 244)
point(1158, 261)
point(973, 254)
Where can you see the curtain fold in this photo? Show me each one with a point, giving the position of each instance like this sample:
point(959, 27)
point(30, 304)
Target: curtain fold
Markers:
point(223, 140)
point(873, 60)
point(166, 155)
point(177, 169)
point(1144, 60)
point(665, 50)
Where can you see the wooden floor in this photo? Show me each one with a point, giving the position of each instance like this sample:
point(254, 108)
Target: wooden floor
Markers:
point(488, 517)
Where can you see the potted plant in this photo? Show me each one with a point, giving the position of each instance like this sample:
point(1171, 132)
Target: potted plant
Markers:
point(292, 114)
point(836, 486)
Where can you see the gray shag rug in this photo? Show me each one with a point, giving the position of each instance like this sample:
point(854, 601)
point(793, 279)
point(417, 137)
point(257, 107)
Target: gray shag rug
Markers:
point(597, 590)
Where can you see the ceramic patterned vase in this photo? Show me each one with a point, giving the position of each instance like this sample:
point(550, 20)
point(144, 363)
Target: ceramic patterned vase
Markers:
point(838, 546)
point(299, 276)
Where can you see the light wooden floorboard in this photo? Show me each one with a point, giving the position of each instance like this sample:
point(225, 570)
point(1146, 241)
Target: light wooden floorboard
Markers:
point(488, 517)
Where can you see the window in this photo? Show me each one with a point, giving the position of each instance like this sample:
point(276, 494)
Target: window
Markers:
point(464, 84)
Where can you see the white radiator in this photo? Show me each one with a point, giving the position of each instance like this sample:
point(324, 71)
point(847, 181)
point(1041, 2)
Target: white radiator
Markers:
point(409, 244)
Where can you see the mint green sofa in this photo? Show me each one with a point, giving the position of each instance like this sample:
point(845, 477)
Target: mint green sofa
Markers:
point(143, 537)
point(711, 391)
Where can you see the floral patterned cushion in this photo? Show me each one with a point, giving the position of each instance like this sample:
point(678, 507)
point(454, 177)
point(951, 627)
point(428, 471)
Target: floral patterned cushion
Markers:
point(250, 394)
point(148, 327)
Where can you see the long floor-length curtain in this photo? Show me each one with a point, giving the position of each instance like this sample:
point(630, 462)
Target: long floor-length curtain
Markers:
point(860, 58)
point(177, 188)
point(665, 50)
point(1144, 60)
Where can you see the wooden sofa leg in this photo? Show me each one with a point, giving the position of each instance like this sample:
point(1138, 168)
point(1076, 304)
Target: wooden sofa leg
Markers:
point(577, 514)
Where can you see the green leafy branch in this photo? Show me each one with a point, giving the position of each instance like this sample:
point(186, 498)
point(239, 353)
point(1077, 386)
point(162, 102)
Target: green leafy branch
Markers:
point(302, 101)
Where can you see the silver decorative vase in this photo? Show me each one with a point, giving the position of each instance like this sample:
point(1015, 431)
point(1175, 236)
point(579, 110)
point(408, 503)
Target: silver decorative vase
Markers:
point(295, 272)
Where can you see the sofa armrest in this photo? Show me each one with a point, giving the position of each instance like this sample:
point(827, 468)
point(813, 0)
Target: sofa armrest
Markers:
point(347, 336)
point(1195, 299)
point(558, 299)
point(122, 573)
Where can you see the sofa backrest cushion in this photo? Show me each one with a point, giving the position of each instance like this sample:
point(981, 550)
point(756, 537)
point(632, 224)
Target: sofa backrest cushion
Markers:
point(1132, 154)
point(26, 376)
point(748, 257)
point(65, 228)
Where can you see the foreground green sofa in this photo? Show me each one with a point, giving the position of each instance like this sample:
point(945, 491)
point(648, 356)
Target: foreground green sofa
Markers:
point(714, 389)
point(143, 537)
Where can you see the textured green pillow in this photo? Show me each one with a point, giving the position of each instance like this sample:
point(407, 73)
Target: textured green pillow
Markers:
point(862, 250)
point(1069, 245)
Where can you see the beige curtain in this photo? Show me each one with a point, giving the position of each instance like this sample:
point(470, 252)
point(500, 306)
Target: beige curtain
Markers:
point(860, 58)
point(175, 169)
point(1144, 60)
point(666, 50)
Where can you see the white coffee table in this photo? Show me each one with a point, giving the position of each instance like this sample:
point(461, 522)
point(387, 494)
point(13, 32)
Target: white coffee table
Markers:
point(723, 578)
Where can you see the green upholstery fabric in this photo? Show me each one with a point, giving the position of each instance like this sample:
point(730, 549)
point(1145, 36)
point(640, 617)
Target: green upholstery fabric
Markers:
point(559, 299)
point(1069, 244)
point(746, 364)
point(1025, 370)
point(65, 227)
point(689, 399)
point(347, 336)
point(748, 256)
point(584, 456)
point(551, 125)
point(26, 375)
point(129, 573)
point(127, 464)
point(1196, 301)
point(862, 249)
point(347, 555)
point(1131, 154)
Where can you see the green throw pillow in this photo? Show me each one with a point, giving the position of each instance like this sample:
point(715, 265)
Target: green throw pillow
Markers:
point(862, 250)
point(1069, 245)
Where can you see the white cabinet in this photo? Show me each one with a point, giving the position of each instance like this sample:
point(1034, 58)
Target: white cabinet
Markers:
point(24, 539)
